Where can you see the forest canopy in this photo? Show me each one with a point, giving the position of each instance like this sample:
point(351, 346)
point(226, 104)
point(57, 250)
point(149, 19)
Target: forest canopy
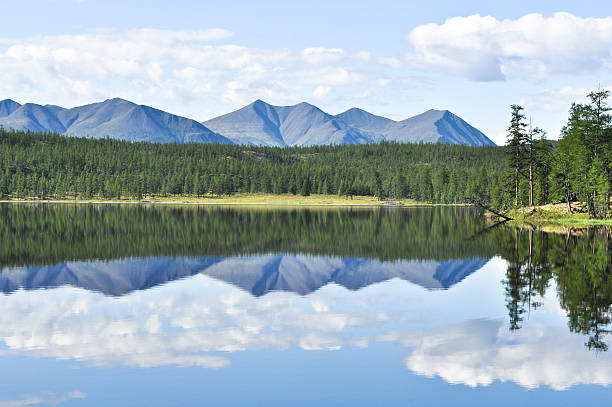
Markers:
point(39, 165)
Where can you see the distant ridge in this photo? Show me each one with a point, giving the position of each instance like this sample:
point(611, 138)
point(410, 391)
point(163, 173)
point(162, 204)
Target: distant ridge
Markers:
point(300, 125)
point(258, 123)
point(113, 118)
point(303, 124)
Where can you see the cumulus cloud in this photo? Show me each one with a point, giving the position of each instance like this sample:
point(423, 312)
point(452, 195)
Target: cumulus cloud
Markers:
point(321, 92)
point(479, 352)
point(321, 55)
point(483, 48)
point(551, 100)
point(187, 72)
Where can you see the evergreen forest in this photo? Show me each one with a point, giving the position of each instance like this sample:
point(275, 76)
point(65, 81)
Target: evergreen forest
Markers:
point(578, 168)
point(43, 166)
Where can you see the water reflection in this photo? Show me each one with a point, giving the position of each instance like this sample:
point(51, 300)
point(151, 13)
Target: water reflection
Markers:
point(48, 234)
point(259, 275)
point(579, 263)
point(116, 250)
point(178, 287)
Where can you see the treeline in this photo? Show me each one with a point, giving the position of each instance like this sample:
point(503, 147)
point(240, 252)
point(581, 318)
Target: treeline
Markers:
point(36, 165)
point(578, 168)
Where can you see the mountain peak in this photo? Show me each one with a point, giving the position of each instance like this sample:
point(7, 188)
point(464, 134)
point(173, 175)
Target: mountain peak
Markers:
point(9, 101)
point(295, 125)
point(356, 112)
point(8, 106)
point(118, 101)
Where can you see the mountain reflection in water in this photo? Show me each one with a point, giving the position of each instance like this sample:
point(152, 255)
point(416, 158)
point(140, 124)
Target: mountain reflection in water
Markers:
point(258, 275)
point(145, 286)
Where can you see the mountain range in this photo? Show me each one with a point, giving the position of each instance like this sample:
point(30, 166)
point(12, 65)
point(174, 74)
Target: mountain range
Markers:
point(258, 123)
point(113, 118)
point(303, 124)
point(259, 275)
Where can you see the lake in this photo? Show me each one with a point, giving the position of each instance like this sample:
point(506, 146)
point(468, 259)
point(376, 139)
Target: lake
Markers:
point(246, 306)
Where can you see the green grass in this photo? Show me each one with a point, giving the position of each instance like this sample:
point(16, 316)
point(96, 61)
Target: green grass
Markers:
point(554, 214)
point(586, 222)
point(243, 198)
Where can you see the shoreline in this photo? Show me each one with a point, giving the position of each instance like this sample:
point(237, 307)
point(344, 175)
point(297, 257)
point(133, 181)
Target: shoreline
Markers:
point(243, 199)
point(545, 218)
point(552, 216)
point(214, 203)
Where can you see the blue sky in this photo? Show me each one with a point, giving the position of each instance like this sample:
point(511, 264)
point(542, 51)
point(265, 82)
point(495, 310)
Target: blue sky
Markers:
point(393, 58)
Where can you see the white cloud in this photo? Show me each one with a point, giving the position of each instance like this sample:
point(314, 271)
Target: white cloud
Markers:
point(185, 72)
point(319, 55)
point(329, 75)
point(31, 400)
point(321, 92)
point(551, 100)
point(363, 55)
point(390, 61)
point(479, 352)
point(318, 342)
point(483, 48)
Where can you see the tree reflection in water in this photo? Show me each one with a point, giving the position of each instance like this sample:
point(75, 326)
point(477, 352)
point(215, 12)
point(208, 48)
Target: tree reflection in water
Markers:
point(580, 264)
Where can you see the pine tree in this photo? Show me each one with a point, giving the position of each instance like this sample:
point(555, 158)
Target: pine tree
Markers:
point(305, 189)
point(516, 136)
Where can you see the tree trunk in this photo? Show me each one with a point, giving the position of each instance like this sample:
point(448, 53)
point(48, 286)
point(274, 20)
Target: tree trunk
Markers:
point(530, 184)
point(516, 185)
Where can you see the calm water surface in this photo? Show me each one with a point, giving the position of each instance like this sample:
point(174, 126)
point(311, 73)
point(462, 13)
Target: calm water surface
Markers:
point(162, 306)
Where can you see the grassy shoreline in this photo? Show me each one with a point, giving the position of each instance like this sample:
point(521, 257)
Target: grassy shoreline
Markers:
point(554, 215)
point(238, 199)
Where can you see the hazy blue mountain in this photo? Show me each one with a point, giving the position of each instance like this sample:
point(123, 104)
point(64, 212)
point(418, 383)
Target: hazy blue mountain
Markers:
point(8, 106)
point(33, 117)
point(258, 275)
point(303, 124)
point(300, 125)
point(374, 126)
point(438, 126)
point(256, 124)
point(133, 122)
point(430, 127)
point(113, 118)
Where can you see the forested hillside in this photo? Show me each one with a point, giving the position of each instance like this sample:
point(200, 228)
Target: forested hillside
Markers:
point(38, 165)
